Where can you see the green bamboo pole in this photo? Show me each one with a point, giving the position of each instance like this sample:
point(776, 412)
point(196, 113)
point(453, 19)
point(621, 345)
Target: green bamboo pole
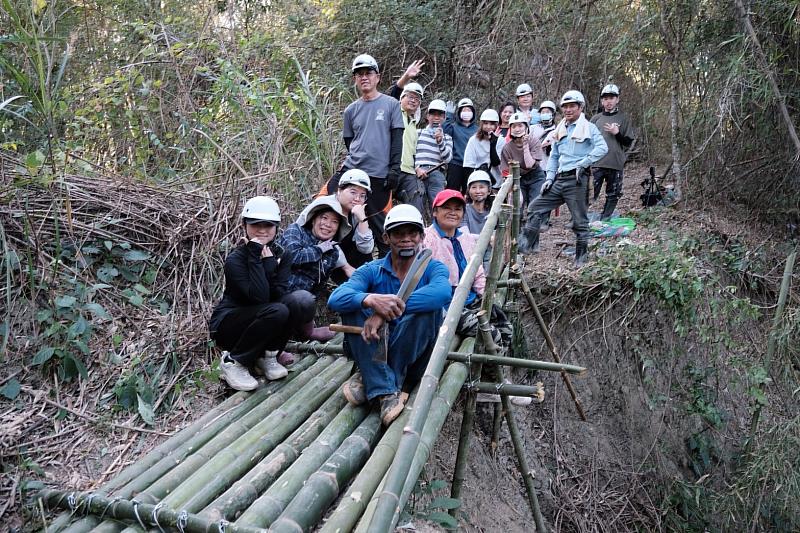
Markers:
point(389, 498)
point(162, 450)
point(448, 390)
point(516, 362)
point(269, 506)
point(497, 424)
point(468, 417)
point(250, 412)
point(551, 345)
point(354, 502)
point(141, 513)
point(314, 347)
point(772, 340)
point(484, 330)
point(324, 485)
point(245, 491)
point(211, 473)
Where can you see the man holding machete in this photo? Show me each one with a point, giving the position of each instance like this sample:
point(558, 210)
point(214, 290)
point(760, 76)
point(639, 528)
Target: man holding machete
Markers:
point(370, 299)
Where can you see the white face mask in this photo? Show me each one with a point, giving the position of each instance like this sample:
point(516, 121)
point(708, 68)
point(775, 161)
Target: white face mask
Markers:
point(466, 115)
point(546, 117)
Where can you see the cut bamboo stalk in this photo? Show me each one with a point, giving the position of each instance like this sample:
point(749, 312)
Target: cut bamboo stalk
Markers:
point(269, 506)
point(249, 413)
point(507, 389)
point(352, 505)
point(324, 485)
point(143, 513)
point(245, 491)
point(210, 474)
point(450, 384)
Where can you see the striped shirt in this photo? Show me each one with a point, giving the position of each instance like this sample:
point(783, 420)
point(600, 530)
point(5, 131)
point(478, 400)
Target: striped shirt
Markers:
point(429, 152)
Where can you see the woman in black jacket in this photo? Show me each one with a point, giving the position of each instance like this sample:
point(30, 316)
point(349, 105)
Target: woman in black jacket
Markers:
point(252, 321)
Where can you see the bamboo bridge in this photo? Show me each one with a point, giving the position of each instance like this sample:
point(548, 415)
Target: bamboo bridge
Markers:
point(293, 456)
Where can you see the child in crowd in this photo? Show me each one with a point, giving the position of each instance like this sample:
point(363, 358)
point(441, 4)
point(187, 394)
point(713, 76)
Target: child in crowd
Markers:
point(484, 148)
point(434, 152)
point(479, 202)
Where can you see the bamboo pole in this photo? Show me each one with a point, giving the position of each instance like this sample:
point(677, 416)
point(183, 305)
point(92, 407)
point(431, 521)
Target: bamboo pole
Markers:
point(142, 513)
point(269, 506)
point(226, 408)
point(772, 340)
point(507, 389)
point(468, 417)
point(551, 345)
point(324, 485)
point(440, 406)
point(249, 413)
point(527, 474)
point(209, 474)
point(390, 497)
point(245, 491)
point(516, 216)
point(354, 502)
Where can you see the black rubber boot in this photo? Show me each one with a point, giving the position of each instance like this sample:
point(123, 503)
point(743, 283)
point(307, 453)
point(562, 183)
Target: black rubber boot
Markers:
point(528, 242)
point(581, 254)
point(608, 209)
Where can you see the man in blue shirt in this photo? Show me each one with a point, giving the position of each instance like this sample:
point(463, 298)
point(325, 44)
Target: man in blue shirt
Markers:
point(369, 300)
point(577, 145)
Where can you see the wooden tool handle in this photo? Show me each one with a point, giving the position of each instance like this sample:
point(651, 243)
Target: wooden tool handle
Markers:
point(346, 329)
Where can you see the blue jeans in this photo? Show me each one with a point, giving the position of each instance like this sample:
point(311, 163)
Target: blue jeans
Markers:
point(411, 340)
point(531, 186)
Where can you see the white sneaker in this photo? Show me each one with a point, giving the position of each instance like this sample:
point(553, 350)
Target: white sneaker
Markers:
point(237, 376)
point(271, 367)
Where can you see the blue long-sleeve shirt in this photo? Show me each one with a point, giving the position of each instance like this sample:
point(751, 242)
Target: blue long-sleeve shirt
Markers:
point(569, 154)
point(377, 277)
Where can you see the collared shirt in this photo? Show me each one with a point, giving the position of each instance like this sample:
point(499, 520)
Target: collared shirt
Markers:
point(410, 136)
point(568, 154)
point(378, 277)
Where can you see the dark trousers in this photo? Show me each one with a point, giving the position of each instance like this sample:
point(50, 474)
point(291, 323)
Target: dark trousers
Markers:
point(613, 180)
point(376, 202)
point(531, 185)
point(457, 177)
point(565, 190)
point(247, 332)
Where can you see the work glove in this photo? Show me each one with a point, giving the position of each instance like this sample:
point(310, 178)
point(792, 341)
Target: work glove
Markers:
point(326, 246)
point(580, 171)
point(450, 107)
point(392, 180)
point(546, 186)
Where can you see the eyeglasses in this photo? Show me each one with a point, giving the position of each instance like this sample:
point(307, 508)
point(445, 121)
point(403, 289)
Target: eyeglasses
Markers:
point(363, 74)
point(413, 97)
point(356, 195)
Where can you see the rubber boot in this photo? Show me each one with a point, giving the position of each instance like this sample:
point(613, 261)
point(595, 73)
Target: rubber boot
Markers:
point(322, 334)
point(608, 209)
point(528, 242)
point(581, 254)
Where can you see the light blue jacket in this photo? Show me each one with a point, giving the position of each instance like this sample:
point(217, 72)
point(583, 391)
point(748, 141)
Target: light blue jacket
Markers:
point(569, 154)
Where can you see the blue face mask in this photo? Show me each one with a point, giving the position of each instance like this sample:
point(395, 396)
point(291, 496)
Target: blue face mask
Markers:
point(546, 117)
point(535, 117)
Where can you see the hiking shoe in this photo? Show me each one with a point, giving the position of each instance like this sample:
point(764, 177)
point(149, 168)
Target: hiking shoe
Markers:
point(235, 374)
point(391, 407)
point(354, 391)
point(271, 367)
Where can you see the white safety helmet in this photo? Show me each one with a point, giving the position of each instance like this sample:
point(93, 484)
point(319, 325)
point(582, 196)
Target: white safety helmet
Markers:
point(517, 118)
point(261, 209)
point(547, 104)
point(465, 102)
point(403, 214)
point(610, 89)
point(365, 61)
point(437, 105)
point(523, 89)
point(490, 115)
point(355, 176)
point(479, 175)
point(412, 87)
point(573, 96)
